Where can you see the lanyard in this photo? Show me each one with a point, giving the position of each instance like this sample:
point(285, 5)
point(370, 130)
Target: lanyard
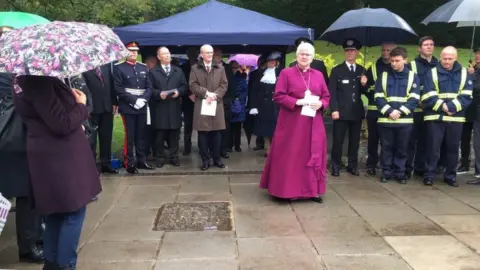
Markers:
point(301, 75)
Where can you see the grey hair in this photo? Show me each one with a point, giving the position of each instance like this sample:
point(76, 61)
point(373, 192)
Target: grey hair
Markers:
point(160, 48)
point(306, 46)
point(206, 46)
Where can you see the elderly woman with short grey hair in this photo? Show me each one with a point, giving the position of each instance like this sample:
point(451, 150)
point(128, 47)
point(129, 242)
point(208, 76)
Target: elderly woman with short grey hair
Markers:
point(296, 166)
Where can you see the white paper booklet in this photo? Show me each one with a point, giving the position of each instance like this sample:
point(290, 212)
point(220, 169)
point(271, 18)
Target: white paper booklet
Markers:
point(306, 110)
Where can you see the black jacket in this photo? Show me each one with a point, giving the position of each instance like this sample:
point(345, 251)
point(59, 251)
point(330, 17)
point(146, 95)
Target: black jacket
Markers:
point(187, 104)
point(167, 113)
point(318, 65)
point(473, 111)
point(103, 94)
point(346, 92)
point(230, 94)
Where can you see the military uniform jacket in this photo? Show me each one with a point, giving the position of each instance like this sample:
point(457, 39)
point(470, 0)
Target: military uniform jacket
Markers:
point(421, 67)
point(373, 73)
point(451, 87)
point(131, 83)
point(397, 91)
point(346, 92)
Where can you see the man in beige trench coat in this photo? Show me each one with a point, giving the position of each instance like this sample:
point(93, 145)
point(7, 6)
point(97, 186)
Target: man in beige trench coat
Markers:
point(208, 81)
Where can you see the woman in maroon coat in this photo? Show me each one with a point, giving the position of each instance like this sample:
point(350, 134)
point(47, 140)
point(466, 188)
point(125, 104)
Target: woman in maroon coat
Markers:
point(63, 173)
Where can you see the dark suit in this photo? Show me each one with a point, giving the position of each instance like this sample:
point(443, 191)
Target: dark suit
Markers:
point(103, 99)
point(227, 105)
point(166, 113)
point(346, 99)
point(252, 93)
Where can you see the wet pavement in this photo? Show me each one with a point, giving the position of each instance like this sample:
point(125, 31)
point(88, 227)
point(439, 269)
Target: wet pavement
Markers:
point(363, 224)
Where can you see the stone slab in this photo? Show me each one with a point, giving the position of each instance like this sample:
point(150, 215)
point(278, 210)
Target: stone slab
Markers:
point(204, 245)
point(128, 251)
point(466, 228)
point(205, 184)
point(434, 252)
point(147, 196)
point(197, 264)
point(370, 262)
point(364, 193)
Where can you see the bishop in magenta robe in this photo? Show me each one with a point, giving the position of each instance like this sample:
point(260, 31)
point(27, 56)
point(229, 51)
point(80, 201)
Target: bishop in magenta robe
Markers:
point(296, 167)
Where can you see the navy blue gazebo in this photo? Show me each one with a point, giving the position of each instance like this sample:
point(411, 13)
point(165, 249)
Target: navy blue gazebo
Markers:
point(215, 23)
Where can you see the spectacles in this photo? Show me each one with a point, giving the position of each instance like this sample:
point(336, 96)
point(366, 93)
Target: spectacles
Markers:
point(305, 54)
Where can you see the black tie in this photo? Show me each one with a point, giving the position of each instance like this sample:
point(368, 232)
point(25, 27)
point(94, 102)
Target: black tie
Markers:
point(167, 70)
point(351, 68)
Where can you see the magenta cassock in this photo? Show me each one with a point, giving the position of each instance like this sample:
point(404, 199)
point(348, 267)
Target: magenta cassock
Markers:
point(296, 166)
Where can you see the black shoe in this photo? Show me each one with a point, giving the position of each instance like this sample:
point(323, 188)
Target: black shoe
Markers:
point(384, 179)
point(219, 164)
point(175, 163)
point(353, 171)
point(335, 172)
point(256, 148)
point(205, 166)
point(225, 155)
point(428, 182)
point(238, 149)
point(94, 198)
point(402, 181)
point(34, 255)
point(107, 169)
point(463, 169)
point(132, 170)
point(474, 182)
point(159, 165)
point(452, 183)
point(145, 166)
point(186, 153)
point(317, 199)
point(371, 171)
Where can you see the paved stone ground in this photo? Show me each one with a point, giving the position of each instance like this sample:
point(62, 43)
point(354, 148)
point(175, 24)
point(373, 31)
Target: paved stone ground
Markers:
point(363, 224)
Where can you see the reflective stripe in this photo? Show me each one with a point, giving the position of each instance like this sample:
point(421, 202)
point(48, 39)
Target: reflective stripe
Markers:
point(466, 92)
point(457, 104)
point(415, 96)
point(372, 108)
point(463, 79)
point(445, 118)
point(418, 110)
point(384, 83)
point(453, 119)
point(396, 99)
point(413, 64)
point(405, 110)
point(379, 95)
point(385, 109)
point(448, 95)
point(398, 121)
point(437, 104)
point(429, 95)
point(374, 72)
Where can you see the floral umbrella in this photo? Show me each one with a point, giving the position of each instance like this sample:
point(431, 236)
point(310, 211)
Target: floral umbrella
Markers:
point(59, 49)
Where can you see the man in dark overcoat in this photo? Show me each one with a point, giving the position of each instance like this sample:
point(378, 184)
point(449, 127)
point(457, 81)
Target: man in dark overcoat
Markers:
point(168, 85)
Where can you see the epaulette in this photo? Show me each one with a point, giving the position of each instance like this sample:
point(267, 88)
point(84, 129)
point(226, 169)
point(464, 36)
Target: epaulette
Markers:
point(121, 62)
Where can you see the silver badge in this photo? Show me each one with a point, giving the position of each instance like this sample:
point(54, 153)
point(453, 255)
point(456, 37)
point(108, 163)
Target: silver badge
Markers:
point(349, 42)
point(470, 82)
point(414, 85)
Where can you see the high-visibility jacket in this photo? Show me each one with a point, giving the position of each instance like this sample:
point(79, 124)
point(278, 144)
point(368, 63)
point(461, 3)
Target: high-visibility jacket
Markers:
point(397, 91)
point(372, 75)
point(421, 67)
point(451, 87)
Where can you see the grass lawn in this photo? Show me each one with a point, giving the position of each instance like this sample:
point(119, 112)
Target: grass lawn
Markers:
point(321, 48)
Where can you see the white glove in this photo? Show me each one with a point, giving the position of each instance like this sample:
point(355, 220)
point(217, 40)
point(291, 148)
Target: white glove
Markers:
point(140, 103)
point(253, 111)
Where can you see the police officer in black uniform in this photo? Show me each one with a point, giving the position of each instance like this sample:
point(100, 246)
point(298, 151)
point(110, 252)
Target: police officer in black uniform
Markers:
point(347, 83)
point(133, 88)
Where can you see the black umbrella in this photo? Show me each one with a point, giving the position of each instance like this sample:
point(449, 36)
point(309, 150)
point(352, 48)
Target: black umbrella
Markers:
point(370, 26)
point(465, 12)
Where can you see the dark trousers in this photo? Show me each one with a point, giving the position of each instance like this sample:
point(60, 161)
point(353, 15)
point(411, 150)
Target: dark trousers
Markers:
point(476, 144)
point(62, 234)
point(235, 135)
point(210, 141)
point(225, 134)
point(372, 143)
point(465, 141)
point(394, 150)
point(187, 129)
point(260, 142)
point(417, 148)
point(340, 128)
point(28, 225)
point(149, 140)
point(104, 122)
point(134, 145)
point(172, 136)
point(438, 133)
